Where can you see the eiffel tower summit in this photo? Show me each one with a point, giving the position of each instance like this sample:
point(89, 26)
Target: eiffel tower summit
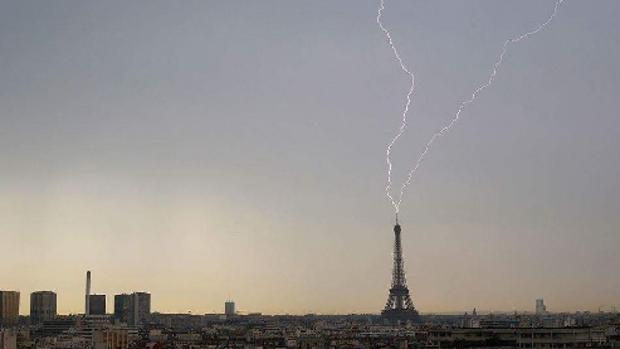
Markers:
point(399, 307)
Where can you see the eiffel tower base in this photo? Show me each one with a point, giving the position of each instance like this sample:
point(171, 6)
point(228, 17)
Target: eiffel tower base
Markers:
point(400, 316)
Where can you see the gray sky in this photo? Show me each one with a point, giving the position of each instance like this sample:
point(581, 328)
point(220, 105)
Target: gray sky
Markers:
point(212, 149)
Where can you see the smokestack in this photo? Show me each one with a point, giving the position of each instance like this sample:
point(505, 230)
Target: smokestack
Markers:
point(87, 303)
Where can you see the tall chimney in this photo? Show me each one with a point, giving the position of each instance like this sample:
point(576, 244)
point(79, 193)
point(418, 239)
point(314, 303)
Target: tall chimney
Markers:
point(87, 303)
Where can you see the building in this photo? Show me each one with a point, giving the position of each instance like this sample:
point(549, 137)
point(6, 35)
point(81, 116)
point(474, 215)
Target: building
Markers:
point(8, 339)
point(576, 337)
point(43, 306)
point(122, 306)
point(96, 304)
point(142, 307)
point(229, 308)
point(113, 338)
point(541, 309)
point(9, 308)
point(133, 309)
point(57, 326)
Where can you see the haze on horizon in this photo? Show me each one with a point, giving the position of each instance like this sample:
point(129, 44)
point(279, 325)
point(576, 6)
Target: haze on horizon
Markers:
point(208, 150)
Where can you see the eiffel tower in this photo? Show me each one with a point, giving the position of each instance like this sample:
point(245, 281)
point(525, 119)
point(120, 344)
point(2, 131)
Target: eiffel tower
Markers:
point(399, 307)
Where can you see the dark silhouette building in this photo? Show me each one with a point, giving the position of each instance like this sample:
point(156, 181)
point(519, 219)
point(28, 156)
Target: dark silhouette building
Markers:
point(132, 309)
point(42, 306)
point(9, 308)
point(229, 308)
point(122, 307)
point(399, 306)
point(96, 304)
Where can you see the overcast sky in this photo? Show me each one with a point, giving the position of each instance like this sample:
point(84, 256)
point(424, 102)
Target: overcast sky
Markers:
point(205, 150)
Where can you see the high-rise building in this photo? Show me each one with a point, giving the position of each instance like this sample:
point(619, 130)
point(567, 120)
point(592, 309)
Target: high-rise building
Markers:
point(122, 306)
point(96, 304)
point(132, 309)
point(541, 308)
point(142, 307)
point(42, 306)
point(9, 308)
point(229, 308)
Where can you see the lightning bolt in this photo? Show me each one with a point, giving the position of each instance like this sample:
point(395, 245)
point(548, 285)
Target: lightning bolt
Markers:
point(408, 97)
point(462, 106)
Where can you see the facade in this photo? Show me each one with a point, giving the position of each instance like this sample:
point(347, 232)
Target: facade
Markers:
point(9, 308)
point(8, 339)
point(541, 309)
point(141, 307)
point(585, 337)
point(229, 308)
point(111, 338)
point(43, 306)
point(96, 304)
point(122, 306)
point(132, 309)
point(57, 326)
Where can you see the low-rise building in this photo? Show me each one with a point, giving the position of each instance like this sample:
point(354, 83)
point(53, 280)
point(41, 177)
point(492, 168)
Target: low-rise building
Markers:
point(8, 339)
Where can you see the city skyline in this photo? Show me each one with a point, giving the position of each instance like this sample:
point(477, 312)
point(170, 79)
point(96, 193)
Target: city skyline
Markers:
point(111, 306)
point(207, 151)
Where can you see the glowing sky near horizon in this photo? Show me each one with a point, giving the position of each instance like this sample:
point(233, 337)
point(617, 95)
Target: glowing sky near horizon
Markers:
point(208, 150)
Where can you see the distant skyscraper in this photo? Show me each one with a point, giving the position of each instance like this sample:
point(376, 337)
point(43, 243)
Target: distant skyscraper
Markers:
point(43, 306)
point(9, 308)
point(229, 308)
point(541, 308)
point(132, 309)
point(96, 304)
point(142, 307)
point(122, 307)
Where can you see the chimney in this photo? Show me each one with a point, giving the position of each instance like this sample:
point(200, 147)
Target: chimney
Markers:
point(87, 303)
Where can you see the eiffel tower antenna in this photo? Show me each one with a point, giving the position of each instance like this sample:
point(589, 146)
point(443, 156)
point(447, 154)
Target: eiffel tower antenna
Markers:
point(399, 306)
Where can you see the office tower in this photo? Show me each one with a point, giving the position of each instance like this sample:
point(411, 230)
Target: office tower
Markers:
point(96, 304)
point(87, 295)
point(42, 306)
point(399, 306)
point(229, 308)
point(122, 306)
point(142, 307)
point(541, 308)
point(132, 309)
point(9, 308)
